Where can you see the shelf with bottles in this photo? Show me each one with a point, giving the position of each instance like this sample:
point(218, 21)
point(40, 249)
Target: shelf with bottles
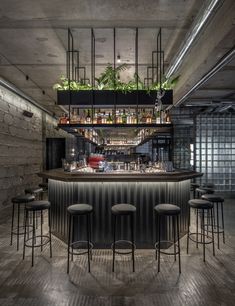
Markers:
point(133, 116)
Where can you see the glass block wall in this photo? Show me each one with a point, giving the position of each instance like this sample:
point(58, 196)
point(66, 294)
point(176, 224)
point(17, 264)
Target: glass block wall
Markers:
point(215, 150)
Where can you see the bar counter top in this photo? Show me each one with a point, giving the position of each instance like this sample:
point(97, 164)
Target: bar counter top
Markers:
point(175, 176)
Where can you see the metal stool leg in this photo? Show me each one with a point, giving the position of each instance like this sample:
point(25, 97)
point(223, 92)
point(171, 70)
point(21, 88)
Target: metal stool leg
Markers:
point(174, 230)
point(217, 215)
point(33, 238)
point(72, 226)
point(212, 230)
point(189, 211)
point(114, 239)
point(12, 222)
point(197, 227)
point(88, 243)
point(203, 236)
point(222, 214)
point(25, 223)
point(89, 220)
point(49, 225)
point(69, 234)
point(159, 241)
point(18, 226)
point(41, 232)
point(132, 240)
point(178, 236)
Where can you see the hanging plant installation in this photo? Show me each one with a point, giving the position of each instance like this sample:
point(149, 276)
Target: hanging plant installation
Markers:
point(108, 88)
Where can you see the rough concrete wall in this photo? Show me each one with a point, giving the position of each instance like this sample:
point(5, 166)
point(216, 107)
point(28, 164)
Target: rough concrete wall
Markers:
point(22, 142)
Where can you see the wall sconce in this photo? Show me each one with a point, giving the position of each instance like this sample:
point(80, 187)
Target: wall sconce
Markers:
point(118, 59)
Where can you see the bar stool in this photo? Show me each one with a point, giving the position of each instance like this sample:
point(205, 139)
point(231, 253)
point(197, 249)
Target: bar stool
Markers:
point(36, 191)
point(19, 201)
point(31, 242)
point(173, 211)
point(216, 199)
point(204, 190)
point(202, 207)
point(208, 185)
point(123, 210)
point(44, 187)
point(194, 186)
point(77, 210)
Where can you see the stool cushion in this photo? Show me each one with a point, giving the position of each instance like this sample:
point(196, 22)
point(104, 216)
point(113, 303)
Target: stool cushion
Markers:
point(38, 205)
point(207, 189)
point(200, 204)
point(208, 185)
point(167, 209)
point(201, 191)
point(33, 190)
point(195, 185)
point(213, 198)
point(80, 209)
point(25, 198)
point(123, 209)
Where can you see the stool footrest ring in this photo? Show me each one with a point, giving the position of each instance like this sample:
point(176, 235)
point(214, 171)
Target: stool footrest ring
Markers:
point(156, 245)
point(215, 229)
point(77, 243)
point(124, 252)
point(14, 231)
point(201, 235)
point(37, 245)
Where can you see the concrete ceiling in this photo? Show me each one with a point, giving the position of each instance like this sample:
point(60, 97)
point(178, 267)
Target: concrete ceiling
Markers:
point(33, 41)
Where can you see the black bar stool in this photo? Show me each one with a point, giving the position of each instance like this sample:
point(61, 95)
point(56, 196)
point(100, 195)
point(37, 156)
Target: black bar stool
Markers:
point(31, 242)
point(216, 199)
point(36, 191)
point(19, 201)
point(203, 208)
point(173, 211)
point(123, 210)
point(77, 210)
point(194, 186)
point(204, 190)
point(44, 187)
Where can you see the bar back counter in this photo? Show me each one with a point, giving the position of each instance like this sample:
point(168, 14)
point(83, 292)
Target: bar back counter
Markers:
point(103, 190)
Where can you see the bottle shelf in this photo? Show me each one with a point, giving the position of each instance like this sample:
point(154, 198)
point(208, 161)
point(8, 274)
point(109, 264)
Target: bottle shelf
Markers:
point(121, 125)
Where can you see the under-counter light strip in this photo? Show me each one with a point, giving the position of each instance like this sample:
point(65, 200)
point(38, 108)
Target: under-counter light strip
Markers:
point(192, 36)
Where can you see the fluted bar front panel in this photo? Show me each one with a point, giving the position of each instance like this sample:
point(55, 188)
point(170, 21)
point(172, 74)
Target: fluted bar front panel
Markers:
point(103, 195)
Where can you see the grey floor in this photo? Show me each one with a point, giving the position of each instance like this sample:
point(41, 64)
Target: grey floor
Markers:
point(210, 283)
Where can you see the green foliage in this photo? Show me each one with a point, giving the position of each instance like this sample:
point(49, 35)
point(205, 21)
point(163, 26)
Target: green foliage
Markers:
point(110, 80)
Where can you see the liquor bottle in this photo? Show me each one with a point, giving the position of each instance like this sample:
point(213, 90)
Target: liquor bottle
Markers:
point(149, 117)
point(104, 119)
point(128, 118)
point(158, 118)
point(99, 117)
point(154, 117)
point(124, 117)
point(95, 117)
point(83, 117)
point(134, 118)
point(143, 117)
point(119, 117)
point(168, 118)
point(109, 119)
point(88, 117)
point(63, 119)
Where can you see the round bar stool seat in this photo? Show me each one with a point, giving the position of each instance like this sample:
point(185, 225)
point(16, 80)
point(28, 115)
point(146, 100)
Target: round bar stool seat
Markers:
point(208, 185)
point(38, 205)
point(172, 211)
point(25, 198)
point(32, 242)
point(77, 210)
point(216, 200)
point(80, 209)
point(203, 207)
point(20, 201)
point(200, 204)
point(167, 209)
point(194, 186)
point(125, 210)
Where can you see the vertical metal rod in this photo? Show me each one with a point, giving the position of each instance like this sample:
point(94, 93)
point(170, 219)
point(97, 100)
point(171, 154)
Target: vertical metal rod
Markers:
point(136, 69)
point(12, 221)
point(133, 242)
point(18, 225)
point(212, 230)
point(160, 37)
point(178, 235)
point(114, 66)
point(25, 221)
point(174, 233)
point(78, 64)
point(189, 211)
point(159, 241)
point(41, 231)
point(203, 235)
point(114, 239)
point(68, 250)
point(217, 217)
point(88, 242)
point(222, 214)
point(49, 225)
point(157, 66)
point(33, 238)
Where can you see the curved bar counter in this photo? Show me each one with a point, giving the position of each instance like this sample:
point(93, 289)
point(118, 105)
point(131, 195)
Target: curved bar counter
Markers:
point(103, 190)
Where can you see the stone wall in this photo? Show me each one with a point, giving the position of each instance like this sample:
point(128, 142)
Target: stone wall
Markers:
point(22, 144)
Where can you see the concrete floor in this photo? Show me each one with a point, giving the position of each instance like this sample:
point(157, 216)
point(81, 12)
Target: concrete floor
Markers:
point(210, 283)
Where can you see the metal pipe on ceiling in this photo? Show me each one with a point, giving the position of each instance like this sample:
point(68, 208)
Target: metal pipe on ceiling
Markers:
point(221, 63)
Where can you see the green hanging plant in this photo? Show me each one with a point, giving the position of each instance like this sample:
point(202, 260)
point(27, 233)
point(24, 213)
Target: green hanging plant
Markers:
point(74, 85)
